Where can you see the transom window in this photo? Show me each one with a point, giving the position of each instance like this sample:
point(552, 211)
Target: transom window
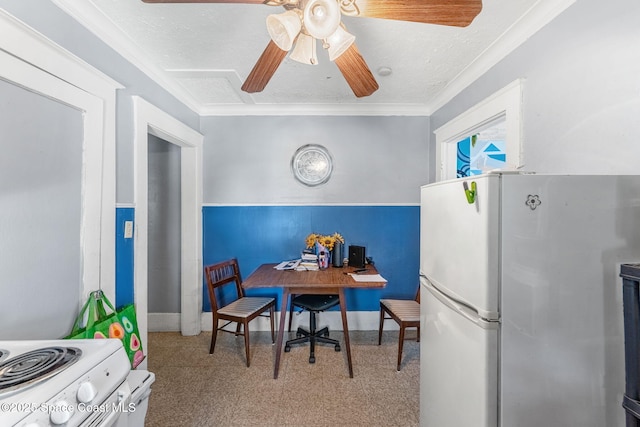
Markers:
point(492, 129)
point(482, 152)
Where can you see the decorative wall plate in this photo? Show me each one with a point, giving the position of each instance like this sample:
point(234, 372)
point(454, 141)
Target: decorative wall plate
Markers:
point(312, 165)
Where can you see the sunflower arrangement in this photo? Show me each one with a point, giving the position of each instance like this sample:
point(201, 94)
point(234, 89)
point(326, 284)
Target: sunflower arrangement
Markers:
point(328, 241)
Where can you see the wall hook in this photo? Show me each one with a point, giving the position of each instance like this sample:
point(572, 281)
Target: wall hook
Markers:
point(471, 194)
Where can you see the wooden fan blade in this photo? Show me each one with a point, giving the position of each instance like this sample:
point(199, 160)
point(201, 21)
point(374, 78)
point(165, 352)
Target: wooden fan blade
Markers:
point(264, 69)
point(356, 72)
point(457, 13)
point(207, 1)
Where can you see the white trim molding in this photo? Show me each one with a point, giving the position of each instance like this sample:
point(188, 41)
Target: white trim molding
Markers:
point(363, 109)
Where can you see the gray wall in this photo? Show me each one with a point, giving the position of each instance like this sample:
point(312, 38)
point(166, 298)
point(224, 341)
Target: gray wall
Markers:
point(40, 218)
point(40, 215)
point(377, 160)
point(48, 19)
point(582, 91)
point(163, 266)
point(581, 115)
point(581, 105)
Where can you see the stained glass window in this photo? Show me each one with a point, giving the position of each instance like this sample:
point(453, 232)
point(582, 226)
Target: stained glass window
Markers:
point(482, 152)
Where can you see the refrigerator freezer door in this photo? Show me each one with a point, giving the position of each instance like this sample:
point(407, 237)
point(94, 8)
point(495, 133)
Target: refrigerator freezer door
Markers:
point(459, 240)
point(459, 363)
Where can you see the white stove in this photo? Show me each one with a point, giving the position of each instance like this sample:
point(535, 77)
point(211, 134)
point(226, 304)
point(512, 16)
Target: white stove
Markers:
point(63, 382)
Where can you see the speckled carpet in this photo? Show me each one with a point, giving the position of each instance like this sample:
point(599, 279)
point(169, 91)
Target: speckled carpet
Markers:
point(194, 388)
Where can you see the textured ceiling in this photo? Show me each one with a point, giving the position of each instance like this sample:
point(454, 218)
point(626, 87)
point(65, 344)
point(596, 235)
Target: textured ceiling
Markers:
point(204, 52)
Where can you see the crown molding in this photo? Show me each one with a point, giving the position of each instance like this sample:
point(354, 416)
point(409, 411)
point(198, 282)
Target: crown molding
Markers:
point(100, 25)
point(314, 110)
point(96, 22)
point(539, 15)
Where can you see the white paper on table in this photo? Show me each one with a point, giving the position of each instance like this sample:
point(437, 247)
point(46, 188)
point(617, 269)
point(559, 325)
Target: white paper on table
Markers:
point(368, 277)
point(288, 265)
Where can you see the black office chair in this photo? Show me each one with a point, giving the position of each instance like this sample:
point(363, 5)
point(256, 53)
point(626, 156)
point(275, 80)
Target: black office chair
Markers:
point(313, 304)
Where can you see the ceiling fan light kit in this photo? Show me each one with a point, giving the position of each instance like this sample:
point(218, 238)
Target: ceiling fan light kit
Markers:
point(305, 50)
point(306, 21)
point(338, 42)
point(284, 28)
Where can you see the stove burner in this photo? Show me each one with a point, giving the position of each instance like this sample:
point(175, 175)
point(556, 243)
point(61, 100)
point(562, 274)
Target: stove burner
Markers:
point(36, 365)
point(3, 354)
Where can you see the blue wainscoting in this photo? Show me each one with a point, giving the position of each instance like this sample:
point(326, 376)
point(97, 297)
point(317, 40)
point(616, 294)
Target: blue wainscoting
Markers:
point(263, 234)
point(124, 258)
point(267, 234)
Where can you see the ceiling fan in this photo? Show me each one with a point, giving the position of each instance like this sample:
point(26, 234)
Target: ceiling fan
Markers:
point(304, 22)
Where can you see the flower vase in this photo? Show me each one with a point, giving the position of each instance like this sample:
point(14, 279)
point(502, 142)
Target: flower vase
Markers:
point(337, 254)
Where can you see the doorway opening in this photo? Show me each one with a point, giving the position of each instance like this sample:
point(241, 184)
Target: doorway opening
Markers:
point(164, 232)
point(150, 120)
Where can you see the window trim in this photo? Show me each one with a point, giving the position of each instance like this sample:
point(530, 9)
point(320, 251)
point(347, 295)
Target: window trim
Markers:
point(505, 104)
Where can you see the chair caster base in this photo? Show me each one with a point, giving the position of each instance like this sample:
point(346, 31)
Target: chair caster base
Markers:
point(287, 348)
point(312, 360)
point(337, 347)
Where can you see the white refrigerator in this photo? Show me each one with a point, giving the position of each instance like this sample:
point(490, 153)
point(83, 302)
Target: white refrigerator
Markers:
point(521, 300)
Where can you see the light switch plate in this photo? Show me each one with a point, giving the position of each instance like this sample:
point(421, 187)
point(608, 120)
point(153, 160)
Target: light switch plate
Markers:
point(128, 229)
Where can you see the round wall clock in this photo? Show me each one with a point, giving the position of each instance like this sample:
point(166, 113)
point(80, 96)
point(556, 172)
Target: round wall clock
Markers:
point(312, 165)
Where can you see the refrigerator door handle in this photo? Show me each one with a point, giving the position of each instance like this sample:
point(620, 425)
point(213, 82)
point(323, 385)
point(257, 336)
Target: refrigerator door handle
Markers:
point(462, 309)
point(453, 299)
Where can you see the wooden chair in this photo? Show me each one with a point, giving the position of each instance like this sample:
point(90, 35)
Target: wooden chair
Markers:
point(406, 313)
point(241, 309)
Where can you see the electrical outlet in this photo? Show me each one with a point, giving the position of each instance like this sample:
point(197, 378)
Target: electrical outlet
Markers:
point(128, 229)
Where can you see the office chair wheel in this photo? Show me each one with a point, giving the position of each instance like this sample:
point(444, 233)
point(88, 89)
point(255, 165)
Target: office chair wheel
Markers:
point(298, 335)
point(337, 347)
point(287, 348)
point(312, 359)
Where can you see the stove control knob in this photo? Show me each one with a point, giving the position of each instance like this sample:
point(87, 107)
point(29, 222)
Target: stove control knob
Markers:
point(61, 413)
point(86, 392)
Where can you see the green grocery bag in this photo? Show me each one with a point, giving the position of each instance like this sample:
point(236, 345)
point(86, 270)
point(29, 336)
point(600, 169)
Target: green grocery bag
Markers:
point(95, 322)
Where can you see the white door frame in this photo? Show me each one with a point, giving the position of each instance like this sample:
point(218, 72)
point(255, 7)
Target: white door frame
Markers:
point(38, 64)
point(148, 119)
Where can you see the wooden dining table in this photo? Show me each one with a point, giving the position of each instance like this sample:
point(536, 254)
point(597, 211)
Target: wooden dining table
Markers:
point(331, 280)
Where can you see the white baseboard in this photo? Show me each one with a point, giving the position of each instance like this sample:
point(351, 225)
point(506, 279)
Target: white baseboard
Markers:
point(358, 321)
